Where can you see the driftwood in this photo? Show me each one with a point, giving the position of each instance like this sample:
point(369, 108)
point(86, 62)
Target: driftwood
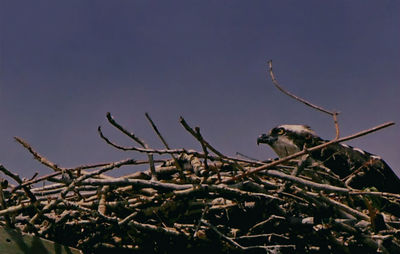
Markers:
point(202, 201)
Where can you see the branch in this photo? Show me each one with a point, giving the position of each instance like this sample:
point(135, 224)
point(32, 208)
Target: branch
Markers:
point(135, 138)
point(277, 85)
point(178, 166)
point(204, 143)
point(275, 82)
point(37, 156)
point(199, 138)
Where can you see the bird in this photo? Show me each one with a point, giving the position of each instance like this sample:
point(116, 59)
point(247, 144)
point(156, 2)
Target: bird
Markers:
point(361, 169)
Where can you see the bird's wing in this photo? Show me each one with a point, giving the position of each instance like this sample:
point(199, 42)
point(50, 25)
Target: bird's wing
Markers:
point(365, 169)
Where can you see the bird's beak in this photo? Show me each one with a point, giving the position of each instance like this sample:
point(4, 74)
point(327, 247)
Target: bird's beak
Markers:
point(266, 139)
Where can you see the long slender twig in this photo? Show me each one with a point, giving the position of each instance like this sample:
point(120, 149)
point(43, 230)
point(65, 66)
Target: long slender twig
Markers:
point(334, 114)
point(271, 73)
point(194, 134)
point(268, 249)
point(37, 156)
point(178, 166)
point(138, 140)
point(204, 143)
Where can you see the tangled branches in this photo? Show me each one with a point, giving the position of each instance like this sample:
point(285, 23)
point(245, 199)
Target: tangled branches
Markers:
point(192, 201)
point(204, 201)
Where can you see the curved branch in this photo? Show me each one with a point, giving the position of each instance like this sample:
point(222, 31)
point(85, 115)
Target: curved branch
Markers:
point(271, 73)
point(332, 113)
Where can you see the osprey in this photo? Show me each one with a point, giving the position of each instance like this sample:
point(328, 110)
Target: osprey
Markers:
point(364, 169)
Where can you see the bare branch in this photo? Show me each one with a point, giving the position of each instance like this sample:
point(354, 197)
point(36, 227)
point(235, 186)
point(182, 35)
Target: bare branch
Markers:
point(135, 138)
point(37, 156)
point(321, 109)
point(271, 73)
point(166, 146)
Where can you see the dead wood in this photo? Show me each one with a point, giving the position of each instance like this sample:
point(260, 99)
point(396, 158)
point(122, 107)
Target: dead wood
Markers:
point(204, 201)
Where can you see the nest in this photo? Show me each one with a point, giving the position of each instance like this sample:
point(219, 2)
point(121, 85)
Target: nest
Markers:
point(202, 201)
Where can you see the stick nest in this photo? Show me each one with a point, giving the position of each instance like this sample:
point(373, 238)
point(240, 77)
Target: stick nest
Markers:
point(196, 201)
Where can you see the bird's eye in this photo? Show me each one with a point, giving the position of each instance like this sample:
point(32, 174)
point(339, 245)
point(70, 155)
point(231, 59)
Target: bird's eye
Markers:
point(281, 131)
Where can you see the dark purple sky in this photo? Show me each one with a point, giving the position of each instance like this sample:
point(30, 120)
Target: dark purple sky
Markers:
point(64, 64)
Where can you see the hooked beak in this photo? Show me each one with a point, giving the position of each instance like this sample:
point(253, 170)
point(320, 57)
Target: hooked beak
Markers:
point(266, 139)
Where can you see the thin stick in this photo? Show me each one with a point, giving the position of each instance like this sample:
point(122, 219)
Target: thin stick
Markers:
point(138, 140)
point(194, 134)
point(205, 210)
point(277, 85)
point(177, 165)
point(228, 239)
point(205, 143)
point(271, 73)
point(205, 151)
point(135, 138)
point(37, 156)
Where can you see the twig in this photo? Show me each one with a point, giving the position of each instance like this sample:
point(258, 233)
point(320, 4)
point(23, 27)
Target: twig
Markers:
point(178, 166)
point(205, 210)
point(37, 156)
point(127, 219)
point(194, 134)
point(138, 140)
point(203, 142)
point(271, 73)
point(277, 85)
point(228, 239)
point(148, 227)
point(264, 222)
point(205, 151)
point(135, 138)
point(268, 249)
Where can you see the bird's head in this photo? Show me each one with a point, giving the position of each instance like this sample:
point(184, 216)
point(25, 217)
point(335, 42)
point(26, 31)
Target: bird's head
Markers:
point(288, 139)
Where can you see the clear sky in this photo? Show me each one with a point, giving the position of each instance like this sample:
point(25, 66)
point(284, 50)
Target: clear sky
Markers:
point(64, 64)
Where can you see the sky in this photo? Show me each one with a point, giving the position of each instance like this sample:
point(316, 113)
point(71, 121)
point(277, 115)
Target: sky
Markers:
point(65, 64)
